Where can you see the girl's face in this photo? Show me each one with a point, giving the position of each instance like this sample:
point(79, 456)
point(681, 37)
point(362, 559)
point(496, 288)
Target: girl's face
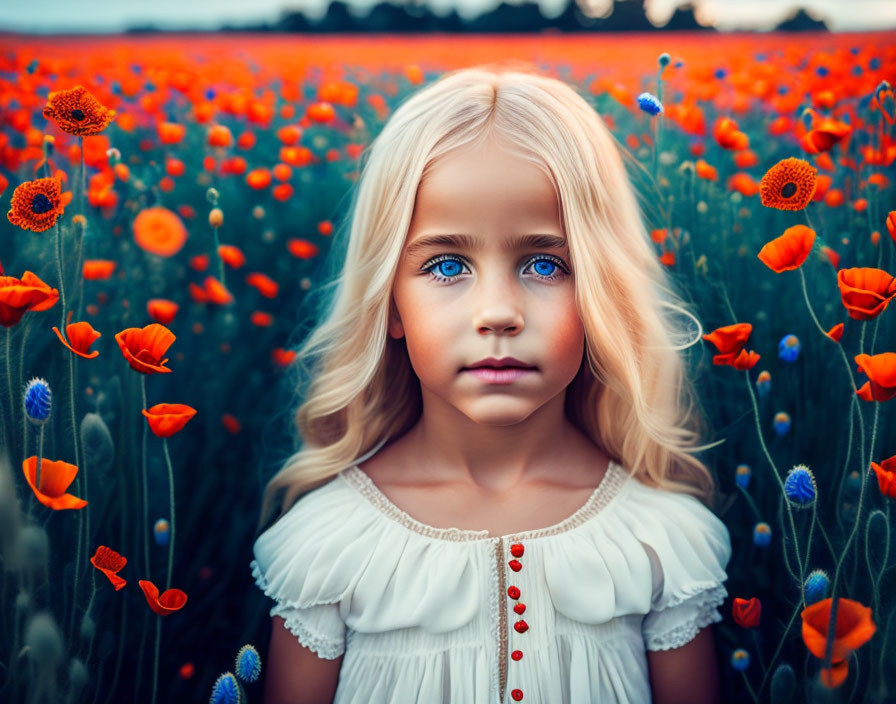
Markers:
point(488, 296)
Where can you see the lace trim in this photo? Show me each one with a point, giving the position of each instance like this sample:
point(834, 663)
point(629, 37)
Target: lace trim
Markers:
point(708, 601)
point(613, 480)
point(684, 633)
point(502, 618)
point(324, 647)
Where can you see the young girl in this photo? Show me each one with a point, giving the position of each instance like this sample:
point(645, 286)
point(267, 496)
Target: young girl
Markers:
point(497, 499)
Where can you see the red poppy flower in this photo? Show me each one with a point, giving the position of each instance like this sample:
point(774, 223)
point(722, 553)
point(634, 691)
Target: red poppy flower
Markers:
point(168, 602)
point(166, 419)
point(746, 612)
point(730, 341)
point(891, 224)
point(98, 269)
point(77, 111)
point(881, 371)
point(825, 133)
point(18, 296)
point(788, 251)
point(162, 310)
point(852, 630)
point(231, 255)
point(886, 476)
point(109, 562)
point(836, 332)
point(55, 477)
point(266, 286)
point(865, 291)
point(143, 347)
point(82, 336)
point(36, 205)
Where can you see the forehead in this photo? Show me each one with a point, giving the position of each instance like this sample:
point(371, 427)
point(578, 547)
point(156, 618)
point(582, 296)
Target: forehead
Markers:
point(486, 184)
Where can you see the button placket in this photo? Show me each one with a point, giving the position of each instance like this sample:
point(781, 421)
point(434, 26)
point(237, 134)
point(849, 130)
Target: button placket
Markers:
point(519, 608)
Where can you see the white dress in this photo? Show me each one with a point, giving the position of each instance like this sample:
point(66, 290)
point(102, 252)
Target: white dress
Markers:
point(557, 615)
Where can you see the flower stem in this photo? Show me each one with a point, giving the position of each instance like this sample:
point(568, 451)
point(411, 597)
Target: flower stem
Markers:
point(155, 666)
point(171, 500)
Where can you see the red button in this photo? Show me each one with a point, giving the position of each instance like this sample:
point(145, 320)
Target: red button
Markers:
point(515, 565)
point(521, 626)
point(513, 592)
point(517, 694)
point(516, 549)
point(519, 608)
point(516, 654)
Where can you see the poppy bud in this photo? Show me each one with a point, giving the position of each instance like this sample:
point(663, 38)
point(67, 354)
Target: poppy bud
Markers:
point(77, 675)
point(746, 612)
point(212, 196)
point(216, 218)
point(44, 639)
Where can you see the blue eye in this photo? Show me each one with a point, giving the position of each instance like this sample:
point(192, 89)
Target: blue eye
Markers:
point(453, 264)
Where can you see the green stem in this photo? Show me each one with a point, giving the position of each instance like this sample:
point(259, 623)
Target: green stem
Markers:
point(171, 508)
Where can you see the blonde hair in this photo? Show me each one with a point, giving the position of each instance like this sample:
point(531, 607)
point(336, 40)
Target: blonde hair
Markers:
point(629, 394)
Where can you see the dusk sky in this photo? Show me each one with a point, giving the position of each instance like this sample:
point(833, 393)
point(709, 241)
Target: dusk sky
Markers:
point(46, 16)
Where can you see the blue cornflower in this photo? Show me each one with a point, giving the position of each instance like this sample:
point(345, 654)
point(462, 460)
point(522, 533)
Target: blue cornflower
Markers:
point(800, 486)
point(740, 659)
point(248, 663)
point(226, 690)
point(789, 348)
point(38, 401)
point(762, 534)
point(742, 476)
point(650, 104)
point(817, 584)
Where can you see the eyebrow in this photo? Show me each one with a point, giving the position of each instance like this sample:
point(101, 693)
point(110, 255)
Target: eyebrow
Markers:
point(469, 242)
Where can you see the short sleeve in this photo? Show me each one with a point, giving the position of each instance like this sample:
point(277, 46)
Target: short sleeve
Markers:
point(688, 555)
point(295, 566)
point(319, 627)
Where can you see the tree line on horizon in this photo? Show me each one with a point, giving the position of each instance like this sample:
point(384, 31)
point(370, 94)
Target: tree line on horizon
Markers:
point(418, 18)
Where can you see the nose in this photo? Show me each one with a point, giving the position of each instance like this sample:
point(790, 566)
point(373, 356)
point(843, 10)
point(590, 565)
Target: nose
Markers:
point(499, 312)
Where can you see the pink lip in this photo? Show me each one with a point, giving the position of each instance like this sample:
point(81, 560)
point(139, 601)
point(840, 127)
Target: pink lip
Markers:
point(499, 376)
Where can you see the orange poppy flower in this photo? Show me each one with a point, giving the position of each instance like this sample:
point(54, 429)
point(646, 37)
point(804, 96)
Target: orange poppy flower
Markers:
point(168, 602)
point(170, 132)
point(886, 476)
point(162, 310)
point(18, 296)
point(705, 171)
point(788, 251)
point(865, 291)
point(743, 183)
point(166, 419)
point(891, 224)
point(37, 204)
point(825, 133)
point(159, 231)
point(852, 630)
point(730, 341)
point(109, 562)
point(216, 292)
point(231, 255)
point(77, 112)
point(881, 372)
point(55, 477)
point(144, 347)
point(259, 178)
point(788, 185)
point(266, 286)
point(836, 332)
point(82, 336)
point(219, 136)
point(98, 269)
